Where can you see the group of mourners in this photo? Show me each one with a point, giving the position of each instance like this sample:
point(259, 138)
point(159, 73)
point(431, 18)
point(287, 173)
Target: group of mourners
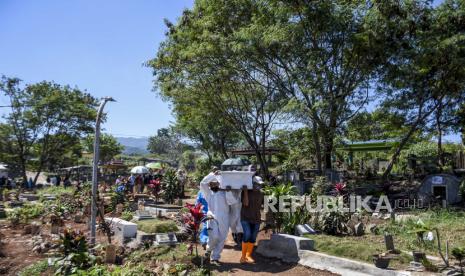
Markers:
point(228, 209)
point(137, 183)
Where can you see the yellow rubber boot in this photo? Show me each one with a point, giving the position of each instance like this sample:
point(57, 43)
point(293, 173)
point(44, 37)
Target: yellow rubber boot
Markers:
point(245, 247)
point(248, 254)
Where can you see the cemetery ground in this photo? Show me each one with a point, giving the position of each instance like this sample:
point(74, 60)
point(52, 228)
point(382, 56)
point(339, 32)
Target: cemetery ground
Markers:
point(34, 239)
point(30, 245)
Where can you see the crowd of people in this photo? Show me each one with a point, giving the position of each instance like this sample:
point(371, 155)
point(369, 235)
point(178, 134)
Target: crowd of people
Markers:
point(138, 183)
point(232, 210)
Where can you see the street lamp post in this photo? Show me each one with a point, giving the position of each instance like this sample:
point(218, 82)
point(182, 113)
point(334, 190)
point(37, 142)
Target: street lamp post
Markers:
point(95, 168)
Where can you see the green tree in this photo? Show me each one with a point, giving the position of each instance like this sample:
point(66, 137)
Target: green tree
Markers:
point(322, 55)
point(188, 160)
point(44, 121)
point(168, 143)
point(427, 76)
point(109, 146)
point(199, 62)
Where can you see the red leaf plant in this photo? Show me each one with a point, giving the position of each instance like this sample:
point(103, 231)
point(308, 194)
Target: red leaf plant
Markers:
point(192, 221)
point(340, 188)
point(155, 188)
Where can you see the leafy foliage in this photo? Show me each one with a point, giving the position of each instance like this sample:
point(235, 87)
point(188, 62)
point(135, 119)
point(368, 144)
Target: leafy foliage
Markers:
point(170, 185)
point(25, 213)
point(75, 255)
point(279, 218)
point(109, 146)
point(46, 122)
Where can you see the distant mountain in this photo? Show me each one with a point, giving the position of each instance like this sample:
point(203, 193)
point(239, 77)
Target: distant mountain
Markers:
point(134, 145)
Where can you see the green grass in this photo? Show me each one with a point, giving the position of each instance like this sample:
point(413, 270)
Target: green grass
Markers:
point(54, 190)
point(356, 248)
point(35, 269)
point(157, 226)
point(159, 253)
point(451, 226)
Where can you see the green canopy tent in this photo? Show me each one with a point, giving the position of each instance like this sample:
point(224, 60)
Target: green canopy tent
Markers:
point(366, 146)
point(154, 166)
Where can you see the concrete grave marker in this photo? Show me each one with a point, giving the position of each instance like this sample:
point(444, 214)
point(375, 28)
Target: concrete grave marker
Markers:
point(142, 214)
point(303, 229)
point(389, 241)
point(167, 239)
point(123, 229)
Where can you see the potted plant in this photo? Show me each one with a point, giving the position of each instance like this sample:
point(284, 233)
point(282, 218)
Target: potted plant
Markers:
point(381, 260)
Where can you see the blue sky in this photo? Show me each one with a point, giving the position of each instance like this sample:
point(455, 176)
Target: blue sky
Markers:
point(99, 46)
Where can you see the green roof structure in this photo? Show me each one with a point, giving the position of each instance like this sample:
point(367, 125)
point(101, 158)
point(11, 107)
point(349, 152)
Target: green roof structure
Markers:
point(371, 145)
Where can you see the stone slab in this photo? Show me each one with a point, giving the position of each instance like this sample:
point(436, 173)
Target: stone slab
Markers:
point(142, 214)
point(343, 266)
point(28, 197)
point(285, 247)
point(122, 228)
point(166, 239)
point(303, 229)
point(143, 237)
point(155, 211)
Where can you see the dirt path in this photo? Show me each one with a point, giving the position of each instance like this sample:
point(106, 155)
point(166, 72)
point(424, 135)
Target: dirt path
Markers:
point(230, 264)
point(17, 250)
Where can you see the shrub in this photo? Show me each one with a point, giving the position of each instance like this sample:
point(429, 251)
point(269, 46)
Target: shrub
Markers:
point(25, 213)
point(127, 215)
point(276, 192)
point(170, 185)
point(75, 255)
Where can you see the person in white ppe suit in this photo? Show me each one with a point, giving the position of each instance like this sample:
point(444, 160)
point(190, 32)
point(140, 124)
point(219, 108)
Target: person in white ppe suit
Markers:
point(218, 210)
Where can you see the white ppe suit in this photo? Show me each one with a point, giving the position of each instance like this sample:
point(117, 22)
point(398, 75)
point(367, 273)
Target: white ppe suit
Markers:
point(218, 208)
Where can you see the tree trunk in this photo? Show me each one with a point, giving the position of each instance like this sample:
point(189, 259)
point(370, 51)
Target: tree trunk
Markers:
point(398, 150)
point(224, 152)
point(316, 142)
point(439, 130)
point(261, 159)
point(328, 151)
point(23, 170)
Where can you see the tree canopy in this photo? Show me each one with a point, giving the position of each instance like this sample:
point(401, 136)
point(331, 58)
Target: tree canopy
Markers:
point(46, 121)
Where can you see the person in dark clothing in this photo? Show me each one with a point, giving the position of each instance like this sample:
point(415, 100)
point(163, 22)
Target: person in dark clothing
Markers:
point(2, 182)
point(67, 182)
point(252, 201)
point(58, 180)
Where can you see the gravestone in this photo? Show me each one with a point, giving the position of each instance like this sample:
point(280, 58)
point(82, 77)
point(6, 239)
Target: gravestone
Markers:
point(143, 237)
point(49, 197)
point(110, 254)
point(165, 239)
point(2, 211)
point(141, 215)
point(359, 229)
point(389, 241)
point(303, 229)
point(28, 197)
point(123, 229)
point(13, 204)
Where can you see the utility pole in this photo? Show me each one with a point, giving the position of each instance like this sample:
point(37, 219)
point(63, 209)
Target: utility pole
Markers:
point(95, 168)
